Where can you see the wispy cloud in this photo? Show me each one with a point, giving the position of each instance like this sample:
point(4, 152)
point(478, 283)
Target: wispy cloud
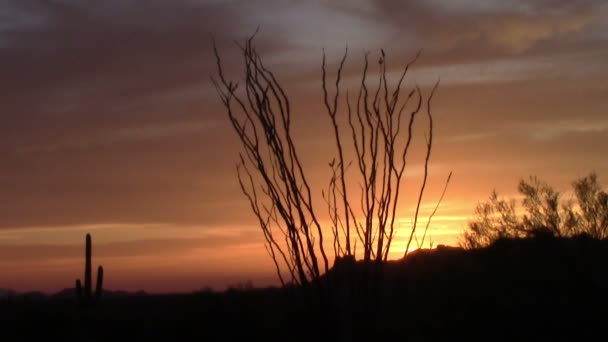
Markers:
point(124, 135)
point(547, 131)
point(118, 239)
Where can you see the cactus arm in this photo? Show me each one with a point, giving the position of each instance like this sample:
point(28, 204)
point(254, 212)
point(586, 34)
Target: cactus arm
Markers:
point(99, 287)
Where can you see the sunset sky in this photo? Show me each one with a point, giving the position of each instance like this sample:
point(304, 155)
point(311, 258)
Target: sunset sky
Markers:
point(110, 124)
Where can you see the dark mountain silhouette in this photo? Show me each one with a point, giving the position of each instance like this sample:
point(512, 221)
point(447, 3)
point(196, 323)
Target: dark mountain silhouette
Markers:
point(7, 293)
point(71, 293)
point(513, 289)
point(67, 293)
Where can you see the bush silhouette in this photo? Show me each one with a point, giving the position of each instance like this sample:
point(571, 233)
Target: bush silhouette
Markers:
point(545, 213)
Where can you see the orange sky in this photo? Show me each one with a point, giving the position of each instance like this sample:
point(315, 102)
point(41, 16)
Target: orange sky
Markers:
point(111, 126)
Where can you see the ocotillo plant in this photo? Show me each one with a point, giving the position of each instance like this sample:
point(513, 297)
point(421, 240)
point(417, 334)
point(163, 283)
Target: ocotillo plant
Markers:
point(86, 297)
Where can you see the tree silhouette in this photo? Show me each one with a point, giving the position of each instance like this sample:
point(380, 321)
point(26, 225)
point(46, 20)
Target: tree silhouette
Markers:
point(544, 212)
point(375, 135)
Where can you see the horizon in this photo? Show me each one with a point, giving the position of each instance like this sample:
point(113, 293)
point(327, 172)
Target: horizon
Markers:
point(111, 125)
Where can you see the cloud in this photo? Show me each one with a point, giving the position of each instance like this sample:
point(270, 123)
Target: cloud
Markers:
point(483, 29)
point(118, 240)
point(517, 35)
point(564, 66)
point(18, 15)
point(151, 131)
point(548, 131)
point(159, 247)
point(118, 90)
point(468, 137)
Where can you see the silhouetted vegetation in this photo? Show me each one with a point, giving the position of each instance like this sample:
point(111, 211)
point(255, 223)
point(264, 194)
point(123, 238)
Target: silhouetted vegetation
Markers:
point(516, 288)
point(85, 298)
point(378, 125)
point(545, 213)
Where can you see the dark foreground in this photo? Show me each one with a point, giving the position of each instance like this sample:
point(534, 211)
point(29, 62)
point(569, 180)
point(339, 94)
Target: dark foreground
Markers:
point(515, 289)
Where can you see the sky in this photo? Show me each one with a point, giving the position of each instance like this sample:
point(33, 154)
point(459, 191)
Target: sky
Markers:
point(111, 126)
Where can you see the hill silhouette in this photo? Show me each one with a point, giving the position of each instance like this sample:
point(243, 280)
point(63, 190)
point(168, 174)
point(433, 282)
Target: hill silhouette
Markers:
point(515, 288)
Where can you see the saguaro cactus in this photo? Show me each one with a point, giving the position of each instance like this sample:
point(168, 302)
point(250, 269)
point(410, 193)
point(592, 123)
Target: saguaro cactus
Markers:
point(87, 269)
point(85, 297)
